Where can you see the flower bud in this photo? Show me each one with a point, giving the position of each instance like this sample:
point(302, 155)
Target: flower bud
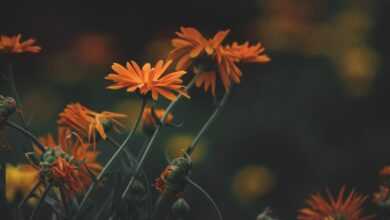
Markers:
point(181, 208)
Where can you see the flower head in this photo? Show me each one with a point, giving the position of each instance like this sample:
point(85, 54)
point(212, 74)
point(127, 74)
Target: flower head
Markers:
point(248, 53)
point(88, 123)
point(148, 80)
point(12, 44)
point(151, 118)
point(331, 208)
point(68, 162)
point(209, 56)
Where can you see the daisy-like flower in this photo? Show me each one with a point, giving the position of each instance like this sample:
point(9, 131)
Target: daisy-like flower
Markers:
point(248, 53)
point(331, 208)
point(209, 56)
point(68, 162)
point(148, 80)
point(13, 44)
point(88, 123)
point(150, 119)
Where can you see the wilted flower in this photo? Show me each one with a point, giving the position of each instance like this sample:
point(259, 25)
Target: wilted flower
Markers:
point(148, 79)
point(173, 178)
point(68, 162)
point(331, 208)
point(151, 118)
point(88, 123)
point(12, 44)
point(209, 56)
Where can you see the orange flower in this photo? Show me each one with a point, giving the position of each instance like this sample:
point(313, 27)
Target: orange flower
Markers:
point(385, 171)
point(321, 208)
point(87, 122)
point(248, 53)
point(149, 122)
point(148, 79)
point(69, 162)
point(209, 56)
point(161, 182)
point(12, 44)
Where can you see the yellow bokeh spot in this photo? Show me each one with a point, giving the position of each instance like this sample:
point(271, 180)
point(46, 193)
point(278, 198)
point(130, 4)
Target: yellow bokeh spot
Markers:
point(20, 180)
point(176, 145)
point(252, 182)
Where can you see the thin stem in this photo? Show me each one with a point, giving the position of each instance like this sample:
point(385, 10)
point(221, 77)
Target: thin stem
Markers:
point(114, 156)
point(41, 201)
point(211, 119)
point(27, 133)
point(29, 195)
point(152, 139)
point(19, 104)
point(64, 202)
point(141, 161)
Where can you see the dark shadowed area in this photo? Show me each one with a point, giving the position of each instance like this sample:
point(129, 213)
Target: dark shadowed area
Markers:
point(315, 117)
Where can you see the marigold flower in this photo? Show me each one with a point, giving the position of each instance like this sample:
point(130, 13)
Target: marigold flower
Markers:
point(151, 119)
point(69, 162)
point(248, 53)
point(148, 79)
point(331, 208)
point(210, 56)
point(12, 44)
point(87, 123)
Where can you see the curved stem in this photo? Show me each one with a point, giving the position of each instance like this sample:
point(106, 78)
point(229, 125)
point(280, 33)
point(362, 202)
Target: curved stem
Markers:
point(211, 119)
point(114, 156)
point(19, 104)
point(27, 133)
point(152, 139)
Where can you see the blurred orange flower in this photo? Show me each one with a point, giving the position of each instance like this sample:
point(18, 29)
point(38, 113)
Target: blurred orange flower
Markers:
point(87, 123)
point(12, 44)
point(148, 79)
point(321, 208)
point(69, 161)
point(149, 122)
point(248, 53)
point(385, 171)
point(209, 55)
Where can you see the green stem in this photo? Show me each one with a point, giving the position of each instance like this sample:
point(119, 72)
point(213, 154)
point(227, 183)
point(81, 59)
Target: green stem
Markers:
point(114, 156)
point(152, 139)
point(27, 133)
point(29, 195)
point(211, 119)
point(41, 201)
point(19, 104)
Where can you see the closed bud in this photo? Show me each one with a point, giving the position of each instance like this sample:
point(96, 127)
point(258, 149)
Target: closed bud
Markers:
point(181, 208)
point(151, 118)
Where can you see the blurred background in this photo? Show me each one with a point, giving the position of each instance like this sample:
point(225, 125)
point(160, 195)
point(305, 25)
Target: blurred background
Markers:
point(315, 117)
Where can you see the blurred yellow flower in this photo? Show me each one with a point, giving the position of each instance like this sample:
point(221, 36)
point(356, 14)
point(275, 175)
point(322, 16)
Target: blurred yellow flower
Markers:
point(176, 145)
point(20, 180)
point(358, 69)
point(252, 182)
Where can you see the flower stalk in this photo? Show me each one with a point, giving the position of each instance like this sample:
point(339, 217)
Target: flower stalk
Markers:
point(153, 137)
point(114, 156)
